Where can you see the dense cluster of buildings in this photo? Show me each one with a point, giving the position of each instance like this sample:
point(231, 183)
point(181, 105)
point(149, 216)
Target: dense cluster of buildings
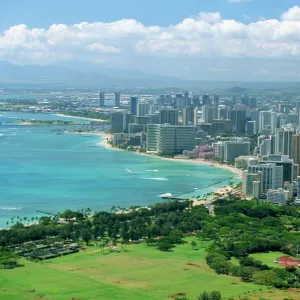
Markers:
point(263, 140)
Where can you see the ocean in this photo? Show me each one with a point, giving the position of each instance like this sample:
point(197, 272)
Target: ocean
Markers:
point(41, 170)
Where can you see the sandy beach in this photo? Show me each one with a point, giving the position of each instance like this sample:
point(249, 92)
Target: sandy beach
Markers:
point(237, 172)
point(82, 118)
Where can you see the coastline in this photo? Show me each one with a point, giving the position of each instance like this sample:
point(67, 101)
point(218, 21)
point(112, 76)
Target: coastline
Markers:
point(84, 118)
point(237, 172)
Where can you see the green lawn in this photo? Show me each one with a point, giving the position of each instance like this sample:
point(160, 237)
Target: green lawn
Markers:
point(268, 258)
point(140, 272)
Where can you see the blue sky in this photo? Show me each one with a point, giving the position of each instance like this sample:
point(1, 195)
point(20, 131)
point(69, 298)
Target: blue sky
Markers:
point(194, 39)
point(43, 13)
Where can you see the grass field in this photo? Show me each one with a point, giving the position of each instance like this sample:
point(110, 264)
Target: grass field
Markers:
point(268, 258)
point(139, 272)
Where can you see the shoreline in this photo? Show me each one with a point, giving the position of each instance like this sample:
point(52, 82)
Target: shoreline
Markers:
point(76, 117)
point(237, 172)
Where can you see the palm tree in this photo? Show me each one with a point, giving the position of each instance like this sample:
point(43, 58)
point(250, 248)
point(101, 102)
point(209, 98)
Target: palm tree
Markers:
point(7, 222)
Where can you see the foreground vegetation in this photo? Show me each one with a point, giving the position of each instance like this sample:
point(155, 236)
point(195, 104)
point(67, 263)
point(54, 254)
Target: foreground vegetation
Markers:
point(138, 271)
point(168, 249)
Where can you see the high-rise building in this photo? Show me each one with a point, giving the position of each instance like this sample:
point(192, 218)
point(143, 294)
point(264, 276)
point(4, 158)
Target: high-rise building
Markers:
point(247, 183)
point(234, 98)
point(196, 100)
point(133, 105)
point(222, 126)
point(168, 116)
point(223, 112)
point(298, 190)
point(232, 117)
point(102, 97)
point(145, 120)
point(287, 140)
point(161, 100)
point(207, 113)
point(293, 118)
point(272, 175)
point(279, 196)
point(196, 118)
point(298, 107)
point(245, 100)
point(135, 128)
point(252, 102)
point(186, 99)
point(179, 101)
point(228, 151)
point(241, 119)
point(120, 122)
point(154, 118)
point(274, 122)
point(251, 127)
point(265, 148)
point(117, 122)
point(142, 109)
point(206, 100)
point(235, 148)
point(264, 119)
point(295, 155)
point(169, 139)
point(127, 119)
point(117, 99)
point(216, 99)
point(188, 116)
point(287, 165)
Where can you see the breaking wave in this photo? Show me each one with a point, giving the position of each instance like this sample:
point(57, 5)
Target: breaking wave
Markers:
point(10, 208)
point(157, 178)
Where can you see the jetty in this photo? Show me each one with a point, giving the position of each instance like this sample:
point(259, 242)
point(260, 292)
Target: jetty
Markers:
point(46, 213)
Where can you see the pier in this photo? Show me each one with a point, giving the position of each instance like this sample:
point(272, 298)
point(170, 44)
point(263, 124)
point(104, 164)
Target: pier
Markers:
point(46, 213)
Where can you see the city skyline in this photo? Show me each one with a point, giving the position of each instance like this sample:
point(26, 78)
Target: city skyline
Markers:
point(221, 40)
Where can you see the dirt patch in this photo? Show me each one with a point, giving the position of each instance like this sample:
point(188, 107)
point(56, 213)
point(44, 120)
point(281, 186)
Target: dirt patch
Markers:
point(178, 295)
point(74, 270)
point(193, 265)
point(293, 290)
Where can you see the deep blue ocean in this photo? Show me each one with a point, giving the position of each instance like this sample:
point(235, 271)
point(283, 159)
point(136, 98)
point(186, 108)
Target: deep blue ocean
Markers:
point(41, 170)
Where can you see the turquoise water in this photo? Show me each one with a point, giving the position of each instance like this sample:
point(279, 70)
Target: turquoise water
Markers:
point(40, 170)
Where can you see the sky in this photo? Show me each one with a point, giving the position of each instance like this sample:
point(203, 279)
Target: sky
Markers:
point(192, 39)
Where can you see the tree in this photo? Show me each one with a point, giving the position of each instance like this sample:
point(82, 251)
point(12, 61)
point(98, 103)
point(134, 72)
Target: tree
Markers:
point(193, 244)
point(151, 241)
point(204, 296)
point(165, 246)
point(215, 295)
point(86, 235)
point(265, 277)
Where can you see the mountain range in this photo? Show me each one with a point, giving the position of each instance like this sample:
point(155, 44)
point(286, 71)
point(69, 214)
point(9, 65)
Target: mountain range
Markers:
point(82, 76)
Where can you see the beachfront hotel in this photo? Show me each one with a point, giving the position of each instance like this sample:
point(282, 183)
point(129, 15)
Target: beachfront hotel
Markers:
point(170, 139)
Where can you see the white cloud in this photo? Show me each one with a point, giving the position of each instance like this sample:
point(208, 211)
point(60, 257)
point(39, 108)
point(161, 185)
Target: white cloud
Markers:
point(293, 14)
point(207, 35)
